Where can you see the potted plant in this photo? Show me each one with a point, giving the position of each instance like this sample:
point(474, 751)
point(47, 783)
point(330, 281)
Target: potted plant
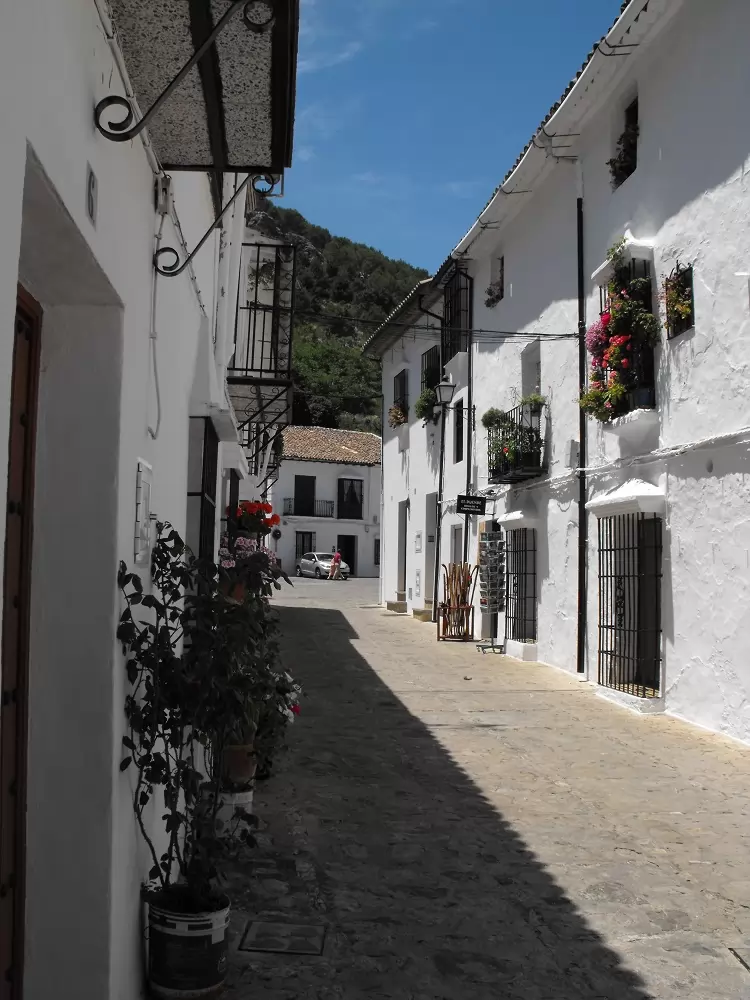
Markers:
point(278, 709)
point(426, 406)
point(535, 402)
point(397, 416)
point(190, 682)
point(625, 160)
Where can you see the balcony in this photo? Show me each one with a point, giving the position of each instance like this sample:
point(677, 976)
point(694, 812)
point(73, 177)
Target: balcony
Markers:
point(300, 508)
point(515, 443)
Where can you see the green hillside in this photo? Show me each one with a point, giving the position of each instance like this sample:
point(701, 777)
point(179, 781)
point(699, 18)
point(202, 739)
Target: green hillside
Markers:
point(340, 286)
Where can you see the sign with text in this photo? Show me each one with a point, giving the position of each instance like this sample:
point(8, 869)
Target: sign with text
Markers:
point(471, 505)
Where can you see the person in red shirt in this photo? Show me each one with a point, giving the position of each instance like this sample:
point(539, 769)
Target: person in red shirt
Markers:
point(335, 571)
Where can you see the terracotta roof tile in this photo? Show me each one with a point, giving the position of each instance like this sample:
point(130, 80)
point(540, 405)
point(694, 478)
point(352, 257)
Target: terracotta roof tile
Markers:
point(324, 444)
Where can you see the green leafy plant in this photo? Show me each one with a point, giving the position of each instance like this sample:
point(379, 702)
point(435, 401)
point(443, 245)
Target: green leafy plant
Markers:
point(625, 160)
point(494, 293)
point(534, 400)
point(397, 416)
point(424, 408)
point(493, 418)
point(195, 660)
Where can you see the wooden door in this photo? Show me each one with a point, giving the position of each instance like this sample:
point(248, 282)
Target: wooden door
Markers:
point(15, 642)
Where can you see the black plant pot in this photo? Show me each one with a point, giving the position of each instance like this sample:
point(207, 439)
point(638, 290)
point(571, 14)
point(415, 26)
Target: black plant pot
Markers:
point(641, 398)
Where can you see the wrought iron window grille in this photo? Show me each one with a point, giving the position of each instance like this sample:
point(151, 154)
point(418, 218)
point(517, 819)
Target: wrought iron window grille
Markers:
point(124, 130)
point(520, 585)
point(515, 444)
point(430, 368)
point(679, 300)
point(457, 315)
point(630, 573)
point(401, 391)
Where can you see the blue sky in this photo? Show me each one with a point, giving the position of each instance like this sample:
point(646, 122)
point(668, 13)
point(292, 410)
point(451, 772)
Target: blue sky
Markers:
point(409, 112)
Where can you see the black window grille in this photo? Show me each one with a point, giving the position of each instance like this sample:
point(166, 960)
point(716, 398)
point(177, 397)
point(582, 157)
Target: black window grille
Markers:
point(458, 432)
point(431, 368)
point(377, 551)
point(304, 543)
point(520, 585)
point(457, 315)
point(350, 498)
point(625, 160)
point(680, 301)
point(642, 394)
point(630, 572)
point(515, 444)
point(203, 466)
point(265, 310)
point(401, 390)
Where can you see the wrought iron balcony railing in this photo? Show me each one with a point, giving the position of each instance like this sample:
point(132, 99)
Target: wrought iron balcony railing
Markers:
point(315, 508)
point(515, 445)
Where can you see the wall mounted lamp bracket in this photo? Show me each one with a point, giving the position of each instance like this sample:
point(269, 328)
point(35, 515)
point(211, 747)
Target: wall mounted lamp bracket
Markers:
point(262, 184)
point(125, 129)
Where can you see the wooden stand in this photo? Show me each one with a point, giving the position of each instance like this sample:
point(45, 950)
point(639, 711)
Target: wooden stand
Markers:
point(455, 622)
point(455, 618)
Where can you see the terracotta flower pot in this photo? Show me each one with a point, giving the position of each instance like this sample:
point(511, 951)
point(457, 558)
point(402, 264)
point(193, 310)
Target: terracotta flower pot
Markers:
point(238, 764)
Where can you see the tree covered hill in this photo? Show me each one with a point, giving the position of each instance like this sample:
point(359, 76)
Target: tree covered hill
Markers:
point(343, 290)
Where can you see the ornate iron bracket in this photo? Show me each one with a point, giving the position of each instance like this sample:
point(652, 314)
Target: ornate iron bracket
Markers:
point(175, 268)
point(125, 130)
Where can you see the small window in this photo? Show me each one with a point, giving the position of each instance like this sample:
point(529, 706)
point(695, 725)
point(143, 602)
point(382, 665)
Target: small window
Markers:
point(496, 290)
point(679, 301)
point(350, 499)
point(203, 461)
point(625, 160)
point(377, 551)
point(430, 368)
point(458, 432)
point(401, 391)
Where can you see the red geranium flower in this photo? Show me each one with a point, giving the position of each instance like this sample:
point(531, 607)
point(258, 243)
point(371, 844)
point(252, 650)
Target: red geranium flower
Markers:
point(296, 709)
point(605, 318)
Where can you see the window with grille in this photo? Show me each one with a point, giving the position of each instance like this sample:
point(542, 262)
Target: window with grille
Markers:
point(680, 303)
point(642, 393)
point(457, 315)
point(203, 465)
point(350, 498)
point(431, 368)
point(401, 390)
point(304, 542)
point(630, 572)
point(458, 432)
point(520, 585)
point(625, 160)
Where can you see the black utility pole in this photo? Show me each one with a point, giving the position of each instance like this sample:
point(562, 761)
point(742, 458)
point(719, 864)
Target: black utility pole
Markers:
point(439, 516)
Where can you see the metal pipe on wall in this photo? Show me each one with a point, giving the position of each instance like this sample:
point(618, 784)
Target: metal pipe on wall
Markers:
point(439, 516)
point(582, 430)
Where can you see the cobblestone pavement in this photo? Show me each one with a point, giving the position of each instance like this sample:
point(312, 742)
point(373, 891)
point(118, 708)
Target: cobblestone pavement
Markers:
point(452, 825)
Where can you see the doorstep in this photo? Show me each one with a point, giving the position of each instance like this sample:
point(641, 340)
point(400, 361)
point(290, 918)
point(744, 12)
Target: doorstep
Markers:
point(398, 607)
point(521, 650)
point(423, 616)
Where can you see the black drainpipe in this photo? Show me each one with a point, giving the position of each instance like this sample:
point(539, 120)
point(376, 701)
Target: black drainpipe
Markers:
point(582, 491)
point(469, 425)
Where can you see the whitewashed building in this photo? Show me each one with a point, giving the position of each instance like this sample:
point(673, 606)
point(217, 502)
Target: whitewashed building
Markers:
point(627, 544)
point(117, 327)
point(328, 496)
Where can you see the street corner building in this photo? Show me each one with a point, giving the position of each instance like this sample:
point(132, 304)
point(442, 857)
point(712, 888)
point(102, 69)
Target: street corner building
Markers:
point(130, 383)
point(591, 327)
point(327, 492)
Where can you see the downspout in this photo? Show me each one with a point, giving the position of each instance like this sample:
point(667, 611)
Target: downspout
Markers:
point(582, 431)
point(439, 518)
point(469, 418)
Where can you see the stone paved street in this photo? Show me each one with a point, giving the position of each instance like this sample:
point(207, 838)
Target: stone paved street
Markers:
point(452, 825)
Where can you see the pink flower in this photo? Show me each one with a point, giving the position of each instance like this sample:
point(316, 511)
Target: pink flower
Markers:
point(296, 709)
point(604, 319)
point(596, 337)
point(624, 363)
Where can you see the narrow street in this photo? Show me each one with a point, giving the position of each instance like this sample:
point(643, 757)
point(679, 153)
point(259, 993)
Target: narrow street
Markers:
point(452, 825)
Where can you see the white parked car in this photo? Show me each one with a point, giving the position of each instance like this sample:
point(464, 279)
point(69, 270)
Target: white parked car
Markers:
point(318, 564)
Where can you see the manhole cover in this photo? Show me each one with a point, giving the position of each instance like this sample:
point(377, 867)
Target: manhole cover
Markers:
point(283, 939)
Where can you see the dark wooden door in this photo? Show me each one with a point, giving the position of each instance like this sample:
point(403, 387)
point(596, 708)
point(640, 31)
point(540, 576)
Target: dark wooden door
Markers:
point(15, 642)
point(304, 496)
point(347, 546)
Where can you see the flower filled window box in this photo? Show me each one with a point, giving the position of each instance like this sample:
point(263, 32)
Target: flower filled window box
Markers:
point(515, 441)
point(621, 344)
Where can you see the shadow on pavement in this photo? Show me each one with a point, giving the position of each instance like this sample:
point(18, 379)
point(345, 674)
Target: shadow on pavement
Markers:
point(425, 891)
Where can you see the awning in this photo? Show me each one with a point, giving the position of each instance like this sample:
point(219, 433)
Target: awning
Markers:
point(632, 497)
point(233, 112)
point(517, 519)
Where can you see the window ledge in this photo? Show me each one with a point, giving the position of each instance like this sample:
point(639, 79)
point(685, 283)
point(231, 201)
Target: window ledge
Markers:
point(633, 424)
point(633, 249)
point(644, 706)
point(633, 497)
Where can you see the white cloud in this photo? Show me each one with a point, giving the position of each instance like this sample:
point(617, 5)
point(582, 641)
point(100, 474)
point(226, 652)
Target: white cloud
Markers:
point(324, 60)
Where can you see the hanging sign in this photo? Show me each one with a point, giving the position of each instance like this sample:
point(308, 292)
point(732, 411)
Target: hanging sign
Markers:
point(471, 505)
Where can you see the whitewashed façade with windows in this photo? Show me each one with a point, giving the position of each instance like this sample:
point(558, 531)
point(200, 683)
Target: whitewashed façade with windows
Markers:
point(663, 621)
point(120, 414)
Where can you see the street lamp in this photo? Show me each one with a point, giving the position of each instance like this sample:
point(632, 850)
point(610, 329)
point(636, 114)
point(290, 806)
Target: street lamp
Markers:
point(444, 392)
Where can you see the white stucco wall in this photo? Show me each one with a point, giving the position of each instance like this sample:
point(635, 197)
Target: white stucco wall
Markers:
point(96, 401)
point(689, 196)
point(327, 529)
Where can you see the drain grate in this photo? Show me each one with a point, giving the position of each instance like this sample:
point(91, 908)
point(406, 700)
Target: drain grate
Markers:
point(283, 939)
